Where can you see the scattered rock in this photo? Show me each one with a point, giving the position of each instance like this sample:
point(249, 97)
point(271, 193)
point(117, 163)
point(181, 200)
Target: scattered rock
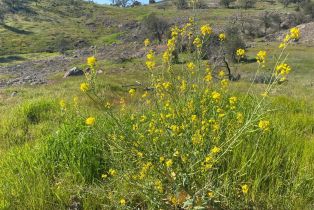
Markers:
point(14, 93)
point(73, 72)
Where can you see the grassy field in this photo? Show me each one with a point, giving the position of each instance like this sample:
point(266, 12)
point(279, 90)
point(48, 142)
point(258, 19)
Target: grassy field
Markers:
point(177, 147)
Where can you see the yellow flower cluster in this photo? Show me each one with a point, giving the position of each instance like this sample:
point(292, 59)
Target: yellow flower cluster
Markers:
point(197, 42)
point(84, 87)
point(190, 122)
point(62, 104)
point(282, 70)
point(240, 53)
point(146, 42)
point(261, 56)
point(264, 125)
point(293, 35)
point(150, 63)
point(245, 188)
point(222, 37)
point(91, 61)
point(191, 66)
point(206, 30)
point(90, 121)
point(132, 92)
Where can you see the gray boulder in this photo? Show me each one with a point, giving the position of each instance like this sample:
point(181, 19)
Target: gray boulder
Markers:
point(73, 72)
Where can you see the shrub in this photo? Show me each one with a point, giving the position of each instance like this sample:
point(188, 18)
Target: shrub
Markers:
point(181, 4)
point(308, 8)
point(188, 148)
point(155, 26)
point(226, 3)
point(233, 42)
point(246, 4)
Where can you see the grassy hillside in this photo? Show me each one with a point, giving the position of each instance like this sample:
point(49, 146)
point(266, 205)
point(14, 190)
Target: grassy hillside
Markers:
point(86, 24)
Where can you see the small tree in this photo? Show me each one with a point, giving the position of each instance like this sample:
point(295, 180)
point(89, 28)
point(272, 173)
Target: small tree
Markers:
point(267, 21)
point(233, 42)
point(121, 3)
point(246, 4)
point(308, 8)
point(226, 3)
point(181, 4)
point(155, 26)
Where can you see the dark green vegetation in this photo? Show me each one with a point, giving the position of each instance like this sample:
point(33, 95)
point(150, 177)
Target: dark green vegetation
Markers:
point(51, 160)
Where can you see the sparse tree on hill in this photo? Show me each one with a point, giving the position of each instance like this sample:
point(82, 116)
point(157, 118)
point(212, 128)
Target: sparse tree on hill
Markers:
point(226, 3)
point(155, 26)
point(181, 4)
point(246, 4)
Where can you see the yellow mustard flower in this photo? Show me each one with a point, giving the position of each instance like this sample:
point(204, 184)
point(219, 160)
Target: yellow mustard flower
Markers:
point(206, 30)
point(197, 42)
point(261, 56)
point(191, 66)
point(240, 53)
point(208, 77)
point(169, 163)
point(150, 64)
point(166, 56)
point(264, 125)
point(221, 74)
point(171, 44)
point(216, 96)
point(222, 37)
point(146, 42)
point(215, 150)
point(84, 87)
point(240, 117)
point(233, 100)
point(90, 121)
point(210, 194)
point(224, 83)
point(91, 61)
point(245, 188)
point(132, 92)
point(193, 118)
point(122, 202)
point(62, 104)
point(295, 33)
point(158, 186)
point(283, 69)
point(112, 172)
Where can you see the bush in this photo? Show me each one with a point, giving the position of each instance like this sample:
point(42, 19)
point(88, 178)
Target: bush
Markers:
point(246, 4)
point(155, 26)
point(233, 42)
point(181, 4)
point(308, 8)
point(226, 3)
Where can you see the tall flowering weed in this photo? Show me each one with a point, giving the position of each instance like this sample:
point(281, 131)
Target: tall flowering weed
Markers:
point(177, 151)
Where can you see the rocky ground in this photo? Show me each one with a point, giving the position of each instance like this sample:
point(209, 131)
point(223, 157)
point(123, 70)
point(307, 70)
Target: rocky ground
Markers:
point(38, 71)
point(307, 34)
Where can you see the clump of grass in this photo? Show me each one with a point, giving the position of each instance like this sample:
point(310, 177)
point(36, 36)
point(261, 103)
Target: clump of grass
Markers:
point(29, 121)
